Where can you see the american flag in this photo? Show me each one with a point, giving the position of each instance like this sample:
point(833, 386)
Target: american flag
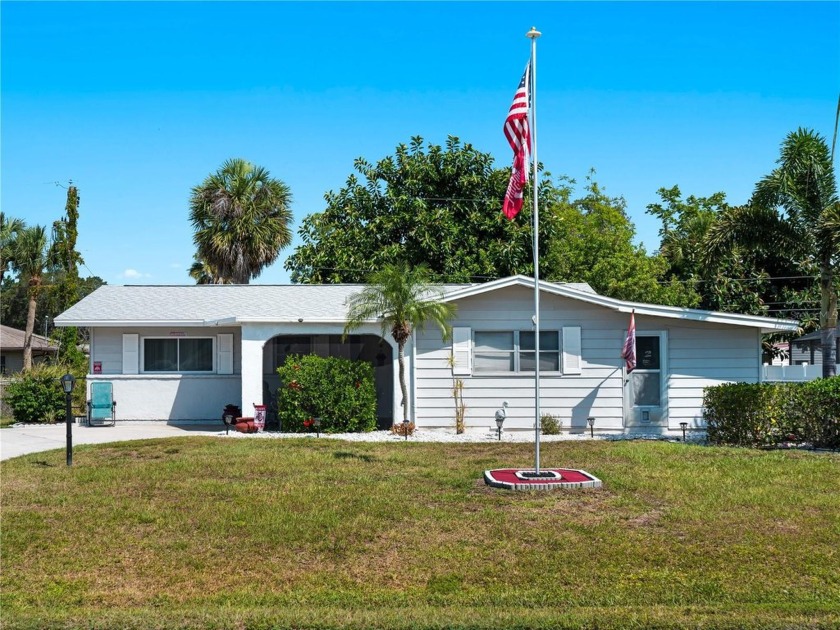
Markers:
point(518, 135)
point(628, 352)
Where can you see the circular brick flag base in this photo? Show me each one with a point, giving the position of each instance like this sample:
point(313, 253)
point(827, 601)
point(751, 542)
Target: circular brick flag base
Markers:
point(547, 479)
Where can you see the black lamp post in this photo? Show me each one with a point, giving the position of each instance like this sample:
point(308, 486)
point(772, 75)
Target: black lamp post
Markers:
point(316, 422)
point(405, 428)
point(591, 422)
point(683, 425)
point(67, 384)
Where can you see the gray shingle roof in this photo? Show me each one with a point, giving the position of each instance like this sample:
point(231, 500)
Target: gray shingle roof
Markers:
point(212, 303)
point(13, 339)
point(200, 303)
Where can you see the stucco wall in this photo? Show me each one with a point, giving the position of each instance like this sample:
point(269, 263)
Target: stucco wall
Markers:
point(172, 396)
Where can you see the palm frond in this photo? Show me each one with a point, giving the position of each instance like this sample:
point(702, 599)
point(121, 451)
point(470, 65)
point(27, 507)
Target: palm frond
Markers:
point(752, 227)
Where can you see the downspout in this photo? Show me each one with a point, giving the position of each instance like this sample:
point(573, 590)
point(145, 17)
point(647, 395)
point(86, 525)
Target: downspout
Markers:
point(412, 382)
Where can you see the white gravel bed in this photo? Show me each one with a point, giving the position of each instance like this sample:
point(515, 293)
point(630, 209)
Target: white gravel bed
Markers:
point(470, 436)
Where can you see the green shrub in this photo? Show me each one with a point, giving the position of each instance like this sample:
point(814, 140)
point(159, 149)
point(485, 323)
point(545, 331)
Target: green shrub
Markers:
point(339, 391)
point(550, 425)
point(818, 405)
point(758, 414)
point(36, 395)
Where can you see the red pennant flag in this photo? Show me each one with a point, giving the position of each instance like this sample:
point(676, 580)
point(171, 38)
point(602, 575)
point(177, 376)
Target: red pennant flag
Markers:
point(628, 352)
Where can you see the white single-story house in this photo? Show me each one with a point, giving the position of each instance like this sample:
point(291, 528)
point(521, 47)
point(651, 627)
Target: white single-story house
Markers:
point(184, 352)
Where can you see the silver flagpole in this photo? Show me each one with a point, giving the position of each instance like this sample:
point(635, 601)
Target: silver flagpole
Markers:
point(533, 34)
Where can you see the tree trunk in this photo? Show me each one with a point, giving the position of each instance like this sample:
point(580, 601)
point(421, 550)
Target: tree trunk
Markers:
point(828, 320)
point(403, 389)
point(30, 329)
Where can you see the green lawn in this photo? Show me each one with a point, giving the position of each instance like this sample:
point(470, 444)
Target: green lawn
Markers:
point(238, 533)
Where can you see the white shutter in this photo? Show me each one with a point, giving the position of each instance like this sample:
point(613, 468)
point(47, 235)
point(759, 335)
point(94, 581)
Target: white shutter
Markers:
point(131, 354)
point(571, 350)
point(462, 351)
point(224, 352)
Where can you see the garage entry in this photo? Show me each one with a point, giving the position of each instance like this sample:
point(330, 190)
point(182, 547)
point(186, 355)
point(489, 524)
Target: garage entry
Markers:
point(370, 348)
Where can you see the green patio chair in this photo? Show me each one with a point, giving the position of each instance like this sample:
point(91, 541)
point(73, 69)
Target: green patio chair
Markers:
point(102, 408)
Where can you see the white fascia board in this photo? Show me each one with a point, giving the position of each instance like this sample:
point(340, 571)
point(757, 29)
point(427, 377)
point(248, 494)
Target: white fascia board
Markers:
point(128, 323)
point(289, 320)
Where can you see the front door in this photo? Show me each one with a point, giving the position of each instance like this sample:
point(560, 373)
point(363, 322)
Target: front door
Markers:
point(643, 387)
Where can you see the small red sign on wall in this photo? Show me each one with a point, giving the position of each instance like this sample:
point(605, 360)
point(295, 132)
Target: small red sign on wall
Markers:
point(97, 367)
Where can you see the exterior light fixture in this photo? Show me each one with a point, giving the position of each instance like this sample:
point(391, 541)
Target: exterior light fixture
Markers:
point(67, 384)
point(405, 428)
point(683, 426)
point(591, 422)
point(316, 422)
point(501, 414)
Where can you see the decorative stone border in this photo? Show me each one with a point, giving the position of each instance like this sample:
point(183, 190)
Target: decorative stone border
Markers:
point(558, 479)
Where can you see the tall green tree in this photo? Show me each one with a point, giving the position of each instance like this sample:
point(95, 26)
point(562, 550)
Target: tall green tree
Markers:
point(738, 277)
point(32, 262)
point(592, 242)
point(65, 286)
point(404, 299)
point(425, 204)
point(798, 207)
point(242, 217)
point(10, 228)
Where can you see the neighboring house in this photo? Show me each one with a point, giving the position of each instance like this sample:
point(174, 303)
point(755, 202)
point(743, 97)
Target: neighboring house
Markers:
point(11, 349)
point(178, 353)
point(808, 348)
point(805, 360)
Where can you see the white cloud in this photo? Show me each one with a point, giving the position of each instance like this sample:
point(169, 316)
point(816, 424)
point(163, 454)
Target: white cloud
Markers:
point(133, 274)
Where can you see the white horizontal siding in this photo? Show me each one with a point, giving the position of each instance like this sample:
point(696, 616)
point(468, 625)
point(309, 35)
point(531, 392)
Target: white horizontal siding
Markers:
point(703, 356)
point(698, 355)
point(572, 398)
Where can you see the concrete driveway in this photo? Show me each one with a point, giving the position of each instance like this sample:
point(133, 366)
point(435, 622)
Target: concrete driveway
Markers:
point(35, 438)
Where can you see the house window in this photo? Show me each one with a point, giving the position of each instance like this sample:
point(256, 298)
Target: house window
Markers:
point(513, 351)
point(185, 354)
point(646, 379)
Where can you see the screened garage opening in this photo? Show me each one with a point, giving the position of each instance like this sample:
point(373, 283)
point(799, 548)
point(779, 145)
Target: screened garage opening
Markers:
point(370, 348)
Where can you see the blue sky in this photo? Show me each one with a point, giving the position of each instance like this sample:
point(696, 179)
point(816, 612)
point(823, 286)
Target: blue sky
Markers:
point(138, 102)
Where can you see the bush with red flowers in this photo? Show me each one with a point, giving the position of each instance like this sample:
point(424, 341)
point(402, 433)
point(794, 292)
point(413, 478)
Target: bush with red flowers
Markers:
point(338, 391)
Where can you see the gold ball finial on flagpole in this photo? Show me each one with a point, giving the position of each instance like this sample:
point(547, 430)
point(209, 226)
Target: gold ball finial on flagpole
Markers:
point(533, 33)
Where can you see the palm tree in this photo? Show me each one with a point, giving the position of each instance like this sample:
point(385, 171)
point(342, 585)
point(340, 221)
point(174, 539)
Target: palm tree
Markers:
point(242, 220)
point(203, 273)
point(32, 261)
point(804, 186)
point(404, 299)
point(9, 231)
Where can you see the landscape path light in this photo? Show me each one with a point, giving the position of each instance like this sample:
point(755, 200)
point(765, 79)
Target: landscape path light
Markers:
point(591, 422)
point(684, 426)
point(67, 384)
point(501, 414)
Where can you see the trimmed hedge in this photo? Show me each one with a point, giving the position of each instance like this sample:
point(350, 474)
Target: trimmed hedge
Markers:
point(37, 396)
point(339, 391)
point(761, 414)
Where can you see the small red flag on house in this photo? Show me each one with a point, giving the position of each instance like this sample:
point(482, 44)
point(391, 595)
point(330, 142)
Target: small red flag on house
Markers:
point(518, 134)
point(628, 353)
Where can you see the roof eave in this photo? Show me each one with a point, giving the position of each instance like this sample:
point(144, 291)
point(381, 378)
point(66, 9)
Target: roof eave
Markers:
point(765, 324)
point(125, 323)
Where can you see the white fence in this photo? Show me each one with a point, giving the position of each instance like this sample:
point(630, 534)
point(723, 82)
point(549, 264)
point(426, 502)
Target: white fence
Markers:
point(793, 372)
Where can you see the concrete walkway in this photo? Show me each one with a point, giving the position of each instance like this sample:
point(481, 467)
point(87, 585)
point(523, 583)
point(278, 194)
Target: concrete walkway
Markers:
point(35, 438)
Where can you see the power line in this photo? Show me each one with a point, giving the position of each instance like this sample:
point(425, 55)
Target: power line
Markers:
point(718, 279)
